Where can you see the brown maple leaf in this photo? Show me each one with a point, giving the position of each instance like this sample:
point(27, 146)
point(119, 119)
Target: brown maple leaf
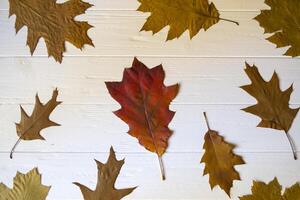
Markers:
point(272, 103)
point(282, 21)
point(220, 160)
point(180, 15)
point(272, 191)
point(53, 22)
point(26, 187)
point(145, 104)
point(107, 176)
point(29, 127)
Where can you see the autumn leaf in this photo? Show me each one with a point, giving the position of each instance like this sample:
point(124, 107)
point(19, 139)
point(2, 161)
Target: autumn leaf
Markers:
point(180, 15)
point(272, 103)
point(53, 22)
point(30, 126)
point(26, 187)
point(220, 160)
point(282, 21)
point(107, 176)
point(272, 191)
point(145, 104)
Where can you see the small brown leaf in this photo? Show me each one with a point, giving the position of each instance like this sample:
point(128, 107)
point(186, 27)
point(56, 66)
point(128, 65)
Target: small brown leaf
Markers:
point(26, 187)
point(107, 176)
point(272, 103)
point(220, 160)
point(272, 191)
point(53, 22)
point(30, 126)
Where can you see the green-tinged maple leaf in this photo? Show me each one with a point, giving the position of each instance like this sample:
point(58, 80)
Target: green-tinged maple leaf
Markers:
point(272, 191)
point(107, 176)
point(145, 104)
point(53, 22)
point(180, 15)
point(26, 187)
point(283, 22)
point(272, 103)
point(29, 127)
point(220, 160)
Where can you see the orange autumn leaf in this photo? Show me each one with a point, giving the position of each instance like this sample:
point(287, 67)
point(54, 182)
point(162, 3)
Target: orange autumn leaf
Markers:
point(53, 22)
point(145, 104)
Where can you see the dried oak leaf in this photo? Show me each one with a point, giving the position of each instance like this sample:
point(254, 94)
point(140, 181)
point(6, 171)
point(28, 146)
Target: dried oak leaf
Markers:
point(272, 103)
point(53, 22)
point(272, 191)
point(145, 104)
point(220, 160)
point(180, 15)
point(30, 126)
point(107, 176)
point(26, 187)
point(282, 21)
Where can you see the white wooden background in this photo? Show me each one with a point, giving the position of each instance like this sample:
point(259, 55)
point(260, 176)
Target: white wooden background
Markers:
point(210, 71)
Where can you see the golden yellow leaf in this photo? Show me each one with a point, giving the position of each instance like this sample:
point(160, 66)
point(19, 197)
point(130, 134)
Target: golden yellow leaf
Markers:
point(272, 103)
point(30, 126)
point(107, 176)
point(26, 187)
point(272, 191)
point(53, 22)
point(220, 160)
point(180, 15)
point(282, 21)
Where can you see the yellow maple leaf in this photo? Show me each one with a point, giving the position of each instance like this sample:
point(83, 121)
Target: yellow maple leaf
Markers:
point(272, 191)
point(26, 187)
point(180, 15)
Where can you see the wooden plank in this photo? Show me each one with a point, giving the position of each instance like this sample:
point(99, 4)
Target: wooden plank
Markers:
point(81, 79)
point(184, 174)
point(237, 5)
point(93, 128)
point(117, 33)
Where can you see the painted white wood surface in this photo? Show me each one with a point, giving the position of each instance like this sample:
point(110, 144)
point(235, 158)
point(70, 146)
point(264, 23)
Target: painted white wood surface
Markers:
point(210, 71)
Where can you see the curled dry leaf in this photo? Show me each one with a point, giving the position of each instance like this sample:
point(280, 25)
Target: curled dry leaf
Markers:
point(220, 160)
point(272, 191)
point(180, 15)
point(145, 104)
point(53, 22)
point(107, 176)
point(272, 103)
point(282, 21)
point(26, 187)
point(29, 127)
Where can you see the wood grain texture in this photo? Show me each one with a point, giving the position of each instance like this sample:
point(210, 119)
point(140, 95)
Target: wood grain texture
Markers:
point(210, 69)
point(117, 33)
point(184, 172)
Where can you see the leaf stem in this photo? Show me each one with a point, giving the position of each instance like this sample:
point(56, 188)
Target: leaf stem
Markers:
point(292, 144)
point(14, 147)
point(206, 120)
point(228, 20)
point(162, 169)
